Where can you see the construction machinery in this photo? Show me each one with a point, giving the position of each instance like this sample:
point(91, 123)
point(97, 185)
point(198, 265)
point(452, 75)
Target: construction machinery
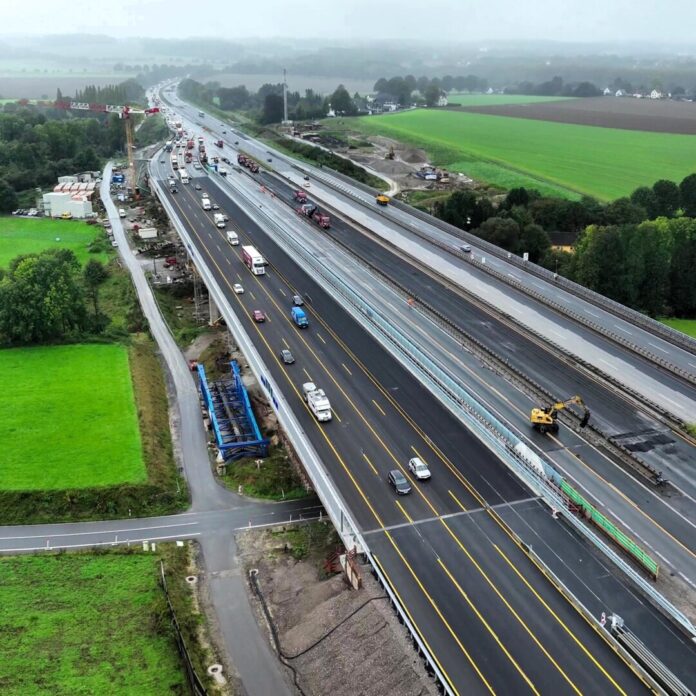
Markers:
point(125, 113)
point(382, 199)
point(390, 155)
point(545, 419)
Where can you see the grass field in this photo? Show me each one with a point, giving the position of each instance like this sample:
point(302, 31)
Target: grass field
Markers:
point(687, 326)
point(68, 418)
point(554, 157)
point(31, 235)
point(85, 624)
point(495, 99)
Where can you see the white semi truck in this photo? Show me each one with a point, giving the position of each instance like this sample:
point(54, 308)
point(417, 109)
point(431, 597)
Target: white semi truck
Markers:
point(219, 219)
point(205, 203)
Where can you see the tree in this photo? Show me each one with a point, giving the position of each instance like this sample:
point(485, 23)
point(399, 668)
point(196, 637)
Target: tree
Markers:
point(535, 241)
point(432, 94)
point(646, 199)
point(272, 109)
point(516, 196)
point(41, 298)
point(8, 197)
point(687, 191)
point(502, 232)
point(233, 98)
point(624, 211)
point(93, 275)
point(464, 210)
point(342, 103)
point(667, 197)
point(598, 261)
point(586, 89)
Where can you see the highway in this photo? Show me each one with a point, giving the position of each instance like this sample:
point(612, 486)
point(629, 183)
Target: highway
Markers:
point(393, 225)
point(442, 547)
point(664, 524)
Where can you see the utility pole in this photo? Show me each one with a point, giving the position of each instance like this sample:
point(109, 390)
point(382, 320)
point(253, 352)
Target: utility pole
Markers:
point(285, 96)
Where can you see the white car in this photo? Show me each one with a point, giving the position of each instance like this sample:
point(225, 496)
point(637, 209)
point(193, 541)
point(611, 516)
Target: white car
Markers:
point(238, 289)
point(419, 468)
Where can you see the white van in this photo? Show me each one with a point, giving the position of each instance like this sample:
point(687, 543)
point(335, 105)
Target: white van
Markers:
point(233, 238)
point(121, 213)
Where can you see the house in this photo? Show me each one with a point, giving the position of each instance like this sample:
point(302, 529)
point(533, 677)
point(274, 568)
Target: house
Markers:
point(620, 93)
point(655, 94)
point(606, 92)
point(442, 101)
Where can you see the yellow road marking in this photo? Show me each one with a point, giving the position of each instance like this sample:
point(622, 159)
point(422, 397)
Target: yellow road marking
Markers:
point(379, 407)
point(456, 500)
point(521, 672)
point(403, 511)
point(372, 466)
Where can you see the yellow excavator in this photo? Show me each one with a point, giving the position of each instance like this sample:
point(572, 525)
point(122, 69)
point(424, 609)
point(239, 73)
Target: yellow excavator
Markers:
point(545, 419)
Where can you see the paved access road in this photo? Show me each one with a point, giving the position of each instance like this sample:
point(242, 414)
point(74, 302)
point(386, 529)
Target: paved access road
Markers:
point(382, 416)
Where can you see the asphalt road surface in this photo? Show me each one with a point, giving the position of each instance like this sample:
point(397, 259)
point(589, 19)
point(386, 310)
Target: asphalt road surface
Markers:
point(382, 416)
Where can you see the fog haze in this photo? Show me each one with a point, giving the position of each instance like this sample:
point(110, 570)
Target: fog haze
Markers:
point(432, 20)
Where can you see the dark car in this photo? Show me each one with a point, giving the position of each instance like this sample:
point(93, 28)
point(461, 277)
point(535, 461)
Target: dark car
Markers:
point(174, 190)
point(259, 316)
point(287, 357)
point(297, 301)
point(197, 187)
point(399, 481)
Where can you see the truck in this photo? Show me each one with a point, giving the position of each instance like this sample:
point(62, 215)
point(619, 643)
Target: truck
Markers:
point(219, 143)
point(201, 147)
point(188, 157)
point(313, 213)
point(201, 114)
point(382, 199)
point(232, 238)
point(248, 162)
point(219, 220)
point(299, 317)
point(300, 196)
point(184, 176)
point(189, 145)
point(253, 260)
point(317, 401)
point(169, 145)
point(205, 203)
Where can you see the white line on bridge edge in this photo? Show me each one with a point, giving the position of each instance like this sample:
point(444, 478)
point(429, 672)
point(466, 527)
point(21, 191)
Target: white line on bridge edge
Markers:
point(658, 347)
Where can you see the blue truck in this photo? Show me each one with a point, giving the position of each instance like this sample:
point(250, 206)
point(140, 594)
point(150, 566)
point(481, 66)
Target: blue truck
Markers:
point(299, 317)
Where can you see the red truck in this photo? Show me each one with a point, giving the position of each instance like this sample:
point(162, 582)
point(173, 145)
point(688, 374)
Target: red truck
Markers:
point(189, 145)
point(313, 213)
point(300, 196)
point(219, 143)
point(247, 162)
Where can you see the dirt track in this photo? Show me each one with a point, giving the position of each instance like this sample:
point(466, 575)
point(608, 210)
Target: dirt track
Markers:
point(656, 115)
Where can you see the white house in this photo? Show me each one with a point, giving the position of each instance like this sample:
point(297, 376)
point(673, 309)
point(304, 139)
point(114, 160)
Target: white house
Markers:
point(58, 203)
point(655, 94)
point(442, 100)
point(620, 93)
point(606, 92)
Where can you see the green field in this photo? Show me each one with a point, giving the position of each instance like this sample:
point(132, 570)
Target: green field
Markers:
point(68, 418)
point(85, 624)
point(496, 99)
point(32, 235)
point(687, 326)
point(553, 157)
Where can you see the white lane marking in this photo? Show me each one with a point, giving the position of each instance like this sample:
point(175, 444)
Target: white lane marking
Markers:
point(589, 311)
point(218, 248)
point(539, 285)
point(658, 347)
point(606, 362)
point(692, 365)
point(671, 401)
point(102, 531)
point(553, 331)
point(621, 328)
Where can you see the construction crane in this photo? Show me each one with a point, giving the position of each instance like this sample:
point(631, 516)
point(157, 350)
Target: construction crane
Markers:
point(123, 112)
point(546, 418)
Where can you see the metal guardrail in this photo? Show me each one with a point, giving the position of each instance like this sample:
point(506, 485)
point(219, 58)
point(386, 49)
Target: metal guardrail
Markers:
point(331, 499)
point(523, 462)
point(675, 337)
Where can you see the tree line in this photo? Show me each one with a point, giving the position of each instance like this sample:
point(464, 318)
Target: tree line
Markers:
point(39, 144)
point(639, 250)
point(48, 297)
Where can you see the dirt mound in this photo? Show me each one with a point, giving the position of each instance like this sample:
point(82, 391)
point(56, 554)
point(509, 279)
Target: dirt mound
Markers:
point(413, 155)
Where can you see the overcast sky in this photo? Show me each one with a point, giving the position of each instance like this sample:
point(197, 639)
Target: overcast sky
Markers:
point(467, 20)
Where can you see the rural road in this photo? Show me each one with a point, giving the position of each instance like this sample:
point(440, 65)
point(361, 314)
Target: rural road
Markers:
point(215, 512)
